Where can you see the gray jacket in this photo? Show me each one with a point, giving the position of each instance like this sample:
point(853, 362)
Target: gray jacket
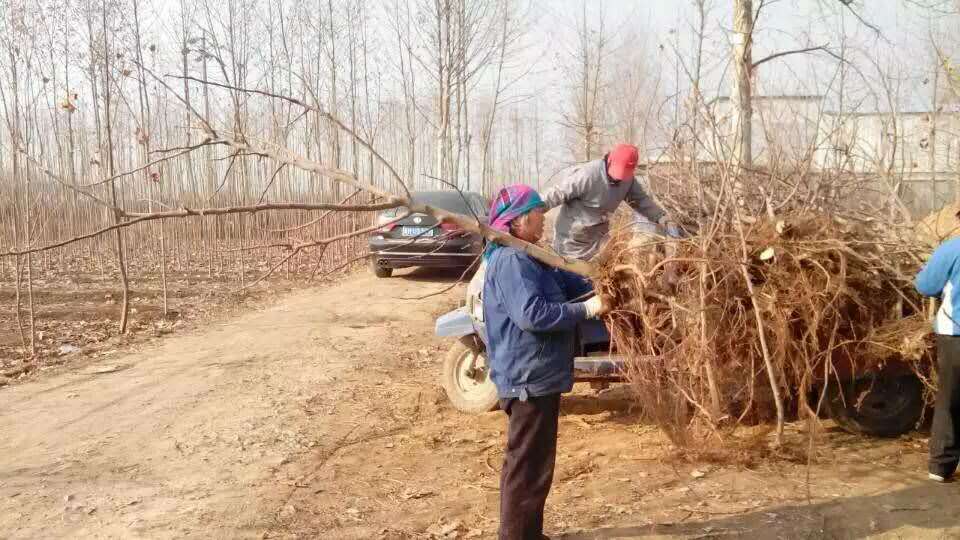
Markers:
point(589, 199)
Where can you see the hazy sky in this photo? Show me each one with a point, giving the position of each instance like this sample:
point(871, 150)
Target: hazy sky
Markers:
point(901, 49)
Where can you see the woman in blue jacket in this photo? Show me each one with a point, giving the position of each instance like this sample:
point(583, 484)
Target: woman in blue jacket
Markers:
point(941, 278)
point(531, 324)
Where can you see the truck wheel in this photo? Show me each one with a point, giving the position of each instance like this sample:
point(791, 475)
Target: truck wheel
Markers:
point(466, 378)
point(380, 271)
point(877, 405)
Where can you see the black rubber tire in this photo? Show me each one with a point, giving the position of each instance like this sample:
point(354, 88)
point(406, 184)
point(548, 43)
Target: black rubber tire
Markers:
point(381, 271)
point(467, 394)
point(877, 405)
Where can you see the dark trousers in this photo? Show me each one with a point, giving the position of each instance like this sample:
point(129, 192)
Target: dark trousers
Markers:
point(944, 447)
point(527, 465)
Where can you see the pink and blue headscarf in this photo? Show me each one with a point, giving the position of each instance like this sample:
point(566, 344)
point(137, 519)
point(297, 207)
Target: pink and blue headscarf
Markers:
point(512, 202)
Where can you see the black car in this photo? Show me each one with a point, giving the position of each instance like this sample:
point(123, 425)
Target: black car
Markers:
point(420, 240)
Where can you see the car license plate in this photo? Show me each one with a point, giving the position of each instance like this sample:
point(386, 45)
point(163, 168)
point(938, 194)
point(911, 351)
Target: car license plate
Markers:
point(417, 231)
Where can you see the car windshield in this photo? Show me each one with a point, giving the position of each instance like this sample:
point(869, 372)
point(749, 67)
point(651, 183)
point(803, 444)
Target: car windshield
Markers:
point(451, 201)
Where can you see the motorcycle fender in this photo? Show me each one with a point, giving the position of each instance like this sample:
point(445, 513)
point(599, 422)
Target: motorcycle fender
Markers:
point(457, 323)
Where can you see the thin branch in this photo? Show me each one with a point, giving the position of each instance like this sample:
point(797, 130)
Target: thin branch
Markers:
point(58, 179)
point(185, 212)
point(285, 156)
point(796, 51)
point(233, 159)
point(363, 142)
point(137, 217)
point(206, 124)
point(270, 183)
point(185, 150)
point(315, 221)
point(849, 5)
point(352, 234)
point(345, 264)
point(452, 285)
point(269, 272)
point(462, 195)
point(316, 268)
point(13, 252)
point(285, 245)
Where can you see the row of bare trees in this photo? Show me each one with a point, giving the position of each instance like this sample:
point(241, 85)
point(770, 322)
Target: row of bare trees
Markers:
point(143, 138)
point(109, 106)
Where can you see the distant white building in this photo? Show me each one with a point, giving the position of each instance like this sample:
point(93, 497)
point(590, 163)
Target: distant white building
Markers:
point(784, 127)
point(921, 150)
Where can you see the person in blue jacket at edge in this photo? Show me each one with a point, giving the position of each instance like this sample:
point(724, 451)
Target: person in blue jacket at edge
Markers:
point(941, 278)
point(531, 324)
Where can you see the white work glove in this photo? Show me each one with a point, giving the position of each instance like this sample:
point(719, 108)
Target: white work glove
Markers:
point(645, 234)
point(670, 227)
point(595, 307)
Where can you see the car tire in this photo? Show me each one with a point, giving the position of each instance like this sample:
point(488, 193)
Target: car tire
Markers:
point(877, 405)
point(470, 394)
point(381, 271)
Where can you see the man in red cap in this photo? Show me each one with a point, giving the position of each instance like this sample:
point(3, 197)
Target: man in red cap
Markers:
point(589, 196)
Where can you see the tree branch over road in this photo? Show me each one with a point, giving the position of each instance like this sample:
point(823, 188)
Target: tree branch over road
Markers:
point(245, 146)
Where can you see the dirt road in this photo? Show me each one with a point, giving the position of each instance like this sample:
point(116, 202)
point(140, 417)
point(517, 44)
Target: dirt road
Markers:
point(321, 417)
point(195, 436)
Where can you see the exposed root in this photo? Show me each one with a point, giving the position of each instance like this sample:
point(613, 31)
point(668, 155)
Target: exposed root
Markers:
point(833, 297)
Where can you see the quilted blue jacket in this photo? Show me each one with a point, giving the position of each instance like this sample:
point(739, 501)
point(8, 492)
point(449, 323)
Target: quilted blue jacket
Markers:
point(531, 324)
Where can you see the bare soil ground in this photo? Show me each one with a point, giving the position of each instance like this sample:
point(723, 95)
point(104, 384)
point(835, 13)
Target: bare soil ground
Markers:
point(77, 313)
point(320, 416)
